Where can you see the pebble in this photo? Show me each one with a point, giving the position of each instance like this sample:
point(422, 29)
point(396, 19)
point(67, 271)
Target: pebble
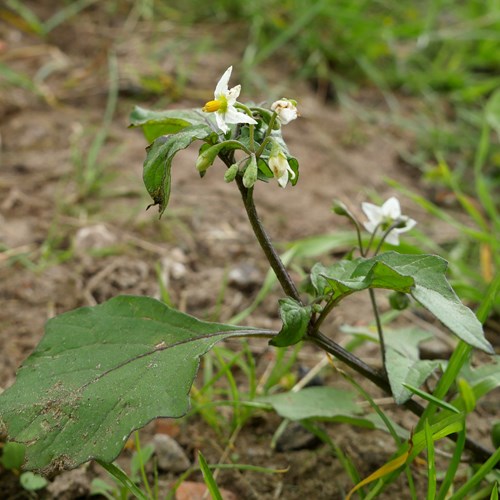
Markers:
point(244, 277)
point(70, 484)
point(171, 457)
point(295, 437)
point(93, 238)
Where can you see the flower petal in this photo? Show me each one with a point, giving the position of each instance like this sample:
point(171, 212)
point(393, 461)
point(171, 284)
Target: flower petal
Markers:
point(219, 118)
point(391, 208)
point(410, 224)
point(393, 237)
point(233, 94)
point(370, 226)
point(283, 180)
point(373, 212)
point(233, 116)
point(222, 85)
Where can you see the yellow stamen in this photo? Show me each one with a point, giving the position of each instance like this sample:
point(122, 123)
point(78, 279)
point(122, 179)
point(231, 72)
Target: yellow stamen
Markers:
point(212, 106)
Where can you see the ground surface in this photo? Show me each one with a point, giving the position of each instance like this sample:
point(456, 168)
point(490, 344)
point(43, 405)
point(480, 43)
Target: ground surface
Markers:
point(65, 248)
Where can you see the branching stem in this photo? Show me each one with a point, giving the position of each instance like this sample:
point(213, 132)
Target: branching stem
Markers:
point(315, 336)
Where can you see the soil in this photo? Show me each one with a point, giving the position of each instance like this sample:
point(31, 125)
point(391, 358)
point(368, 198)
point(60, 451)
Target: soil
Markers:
point(64, 247)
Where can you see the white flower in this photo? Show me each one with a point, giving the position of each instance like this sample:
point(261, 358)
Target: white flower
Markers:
point(223, 104)
point(279, 166)
point(386, 216)
point(286, 109)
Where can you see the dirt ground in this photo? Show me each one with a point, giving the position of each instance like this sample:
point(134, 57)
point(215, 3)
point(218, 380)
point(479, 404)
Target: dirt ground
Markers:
point(63, 249)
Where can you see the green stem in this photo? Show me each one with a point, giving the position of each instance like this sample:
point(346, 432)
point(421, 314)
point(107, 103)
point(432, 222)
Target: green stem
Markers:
point(265, 242)
point(380, 330)
point(328, 345)
point(324, 314)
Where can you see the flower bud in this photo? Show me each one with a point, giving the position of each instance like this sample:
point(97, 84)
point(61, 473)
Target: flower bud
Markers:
point(399, 301)
point(231, 173)
point(286, 109)
point(279, 166)
point(204, 160)
point(250, 175)
point(340, 208)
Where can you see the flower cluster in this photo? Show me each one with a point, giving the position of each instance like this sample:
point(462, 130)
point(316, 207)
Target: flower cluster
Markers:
point(228, 111)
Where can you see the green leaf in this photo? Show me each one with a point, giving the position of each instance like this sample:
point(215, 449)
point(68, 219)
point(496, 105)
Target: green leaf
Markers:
point(158, 163)
point(325, 403)
point(13, 455)
point(483, 379)
point(157, 123)
point(101, 372)
point(314, 402)
point(422, 276)
point(32, 482)
point(401, 370)
point(295, 319)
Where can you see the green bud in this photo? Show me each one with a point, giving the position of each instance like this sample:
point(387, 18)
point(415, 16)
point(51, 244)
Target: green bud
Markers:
point(399, 301)
point(340, 208)
point(204, 161)
point(250, 175)
point(231, 173)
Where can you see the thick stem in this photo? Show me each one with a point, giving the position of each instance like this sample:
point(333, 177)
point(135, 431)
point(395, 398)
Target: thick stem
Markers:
point(265, 242)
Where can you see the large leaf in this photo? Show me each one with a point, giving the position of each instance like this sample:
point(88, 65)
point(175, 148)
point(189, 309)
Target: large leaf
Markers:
point(101, 372)
point(158, 163)
point(422, 276)
point(157, 123)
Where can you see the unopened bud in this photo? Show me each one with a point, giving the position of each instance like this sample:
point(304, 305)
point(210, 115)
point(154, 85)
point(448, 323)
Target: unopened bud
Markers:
point(340, 208)
point(231, 173)
point(250, 175)
point(399, 301)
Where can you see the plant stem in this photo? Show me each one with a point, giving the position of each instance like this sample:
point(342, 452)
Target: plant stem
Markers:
point(380, 330)
point(265, 242)
point(317, 338)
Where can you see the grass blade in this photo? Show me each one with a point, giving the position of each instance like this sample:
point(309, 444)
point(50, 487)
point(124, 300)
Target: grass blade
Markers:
point(431, 465)
point(209, 478)
point(120, 475)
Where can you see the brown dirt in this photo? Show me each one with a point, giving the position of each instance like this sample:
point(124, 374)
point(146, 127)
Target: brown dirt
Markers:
point(51, 234)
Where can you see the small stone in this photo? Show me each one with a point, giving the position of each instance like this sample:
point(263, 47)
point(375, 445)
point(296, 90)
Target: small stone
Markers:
point(295, 437)
point(244, 277)
point(189, 490)
point(70, 484)
point(94, 238)
point(171, 457)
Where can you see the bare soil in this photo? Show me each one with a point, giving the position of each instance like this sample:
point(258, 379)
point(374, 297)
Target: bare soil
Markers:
point(63, 249)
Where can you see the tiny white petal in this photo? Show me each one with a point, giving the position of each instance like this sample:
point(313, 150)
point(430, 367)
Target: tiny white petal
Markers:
point(233, 94)
point(373, 212)
point(219, 118)
point(393, 238)
point(283, 180)
point(370, 226)
point(233, 116)
point(222, 85)
point(391, 208)
point(410, 224)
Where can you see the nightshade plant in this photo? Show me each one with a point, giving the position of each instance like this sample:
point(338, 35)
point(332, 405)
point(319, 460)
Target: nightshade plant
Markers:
point(101, 372)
